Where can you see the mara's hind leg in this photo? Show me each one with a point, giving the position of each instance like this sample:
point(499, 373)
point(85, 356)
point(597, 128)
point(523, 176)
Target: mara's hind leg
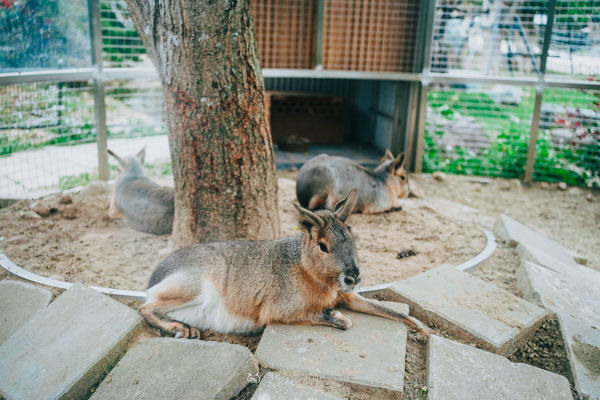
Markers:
point(165, 296)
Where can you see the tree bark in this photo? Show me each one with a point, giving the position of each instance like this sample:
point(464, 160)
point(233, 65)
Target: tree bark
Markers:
point(219, 136)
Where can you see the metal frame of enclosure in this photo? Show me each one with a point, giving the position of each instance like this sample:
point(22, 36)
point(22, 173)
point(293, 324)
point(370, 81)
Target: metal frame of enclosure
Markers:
point(407, 136)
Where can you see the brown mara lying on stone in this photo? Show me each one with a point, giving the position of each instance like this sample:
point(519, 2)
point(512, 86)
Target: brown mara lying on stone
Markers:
point(241, 286)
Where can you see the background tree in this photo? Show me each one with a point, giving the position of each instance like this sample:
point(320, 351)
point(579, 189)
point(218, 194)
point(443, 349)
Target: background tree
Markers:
point(221, 149)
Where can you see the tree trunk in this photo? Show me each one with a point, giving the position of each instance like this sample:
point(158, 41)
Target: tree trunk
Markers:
point(221, 148)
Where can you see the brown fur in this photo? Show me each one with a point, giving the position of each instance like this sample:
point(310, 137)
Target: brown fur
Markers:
point(240, 286)
point(324, 180)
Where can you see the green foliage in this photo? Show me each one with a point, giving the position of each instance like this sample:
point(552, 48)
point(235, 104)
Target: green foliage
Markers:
point(508, 128)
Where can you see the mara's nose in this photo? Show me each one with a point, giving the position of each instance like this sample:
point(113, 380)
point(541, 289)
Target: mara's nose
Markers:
point(352, 277)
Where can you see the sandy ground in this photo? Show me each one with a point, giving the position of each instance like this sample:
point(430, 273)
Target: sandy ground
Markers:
point(76, 242)
point(73, 240)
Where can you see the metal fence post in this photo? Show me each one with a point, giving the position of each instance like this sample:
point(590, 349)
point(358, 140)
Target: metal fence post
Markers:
point(99, 105)
point(539, 92)
point(424, 87)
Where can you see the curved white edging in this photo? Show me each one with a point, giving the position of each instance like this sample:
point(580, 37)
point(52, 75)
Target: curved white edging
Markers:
point(30, 276)
point(487, 251)
point(139, 295)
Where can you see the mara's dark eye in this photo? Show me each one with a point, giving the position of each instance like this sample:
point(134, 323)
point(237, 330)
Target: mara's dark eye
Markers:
point(323, 248)
point(403, 177)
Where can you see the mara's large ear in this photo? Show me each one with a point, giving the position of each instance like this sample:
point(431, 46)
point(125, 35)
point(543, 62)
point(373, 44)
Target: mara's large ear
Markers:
point(398, 162)
point(141, 155)
point(344, 208)
point(387, 156)
point(308, 219)
point(122, 163)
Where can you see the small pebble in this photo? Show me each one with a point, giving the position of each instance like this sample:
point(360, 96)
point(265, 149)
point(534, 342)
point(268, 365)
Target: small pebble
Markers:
point(65, 199)
point(17, 239)
point(562, 186)
point(30, 215)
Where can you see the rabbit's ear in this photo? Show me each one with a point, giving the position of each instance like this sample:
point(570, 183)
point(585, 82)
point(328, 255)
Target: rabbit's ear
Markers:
point(122, 163)
point(308, 219)
point(344, 208)
point(398, 162)
point(387, 156)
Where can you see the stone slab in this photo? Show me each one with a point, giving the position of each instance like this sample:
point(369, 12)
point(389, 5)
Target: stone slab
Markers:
point(63, 351)
point(274, 387)
point(19, 302)
point(470, 308)
point(575, 299)
point(166, 368)
point(540, 256)
point(371, 353)
point(514, 232)
point(456, 371)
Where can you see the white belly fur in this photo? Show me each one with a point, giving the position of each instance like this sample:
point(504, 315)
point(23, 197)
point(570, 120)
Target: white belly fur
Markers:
point(207, 311)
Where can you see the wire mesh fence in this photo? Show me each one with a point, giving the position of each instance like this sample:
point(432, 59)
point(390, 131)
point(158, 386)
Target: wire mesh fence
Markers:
point(478, 129)
point(575, 45)
point(135, 108)
point(121, 45)
point(44, 34)
point(491, 37)
point(285, 32)
point(568, 144)
point(38, 122)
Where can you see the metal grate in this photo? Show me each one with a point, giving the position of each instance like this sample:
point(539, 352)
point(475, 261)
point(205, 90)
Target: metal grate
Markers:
point(135, 108)
point(568, 145)
point(121, 45)
point(575, 46)
point(285, 32)
point(38, 121)
point(478, 130)
point(489, 37)
point(370, 35)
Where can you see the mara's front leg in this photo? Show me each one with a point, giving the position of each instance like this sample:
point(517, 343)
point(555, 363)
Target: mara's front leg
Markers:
point(328, 317)
point(356, 302)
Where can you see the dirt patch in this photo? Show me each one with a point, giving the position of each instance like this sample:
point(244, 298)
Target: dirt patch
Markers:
point(500, 269)
point(546, 350)
point(435, 238)
point(75, 241)
point(415, 372)
point(571, 217)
